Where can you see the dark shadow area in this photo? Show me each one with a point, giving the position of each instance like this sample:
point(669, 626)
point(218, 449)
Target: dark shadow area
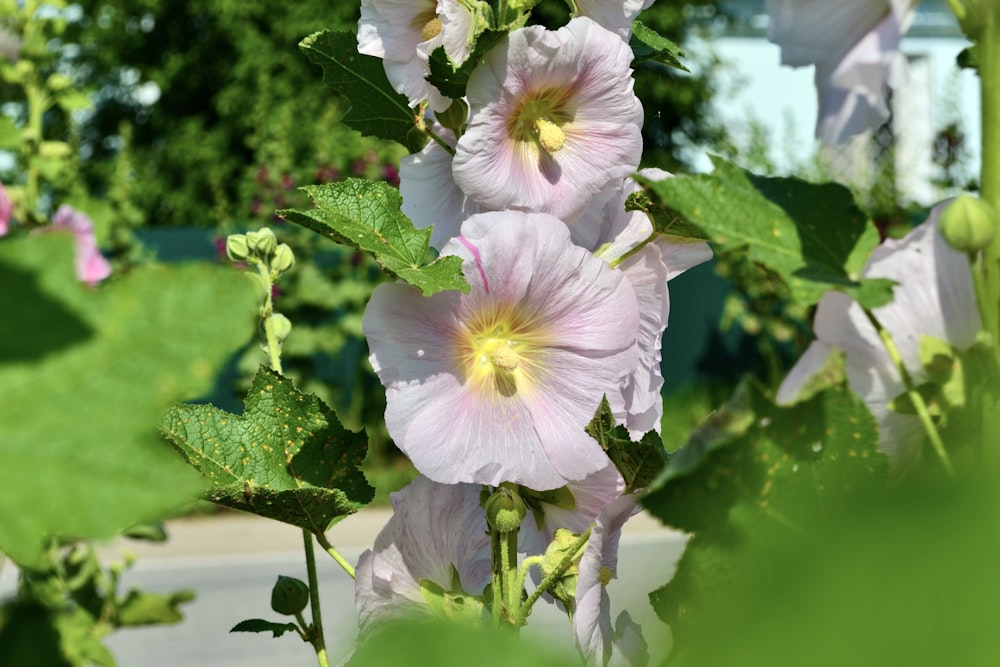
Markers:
point(35, 325)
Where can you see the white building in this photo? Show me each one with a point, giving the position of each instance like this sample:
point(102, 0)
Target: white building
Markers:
point(755, 88)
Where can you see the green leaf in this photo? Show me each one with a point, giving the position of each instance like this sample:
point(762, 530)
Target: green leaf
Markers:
point(28, 636)
point(86, 374)
point(143, 608)
point(260, 625)
point(450, 80)
point(756, 474)
point(638, 462)
point(665, 220)
point(286, 458)
point(968, 58)
point(376, 108)
point(366, 215)
point(438, 643)
point(813, 236)
point(647, 44)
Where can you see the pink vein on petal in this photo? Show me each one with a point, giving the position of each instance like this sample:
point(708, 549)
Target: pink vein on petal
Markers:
point(479, 260)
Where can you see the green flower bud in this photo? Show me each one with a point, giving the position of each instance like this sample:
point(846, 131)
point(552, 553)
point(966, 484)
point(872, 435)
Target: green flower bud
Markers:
point(58, 82)
point(262, 243)
point(281, 326)
point(454, 117)
point(283, 260)
point(968, 224)
point(237, 248)
point(505, 510)
point(289, 596)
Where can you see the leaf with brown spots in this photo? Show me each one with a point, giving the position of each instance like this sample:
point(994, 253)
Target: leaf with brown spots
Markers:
point(366, 215)
point(286, 458)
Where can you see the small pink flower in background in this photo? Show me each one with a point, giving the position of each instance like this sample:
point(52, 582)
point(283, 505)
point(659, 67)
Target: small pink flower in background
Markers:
point(405, 32)
point(91, 266)
point(430, 194)
point(436, 532)
point(854, 45)
point(5, 210)
point(615, 16)
point(599, 642)
point(610, 231)
point(934, 297)
point(498, 384)
point(553, 120)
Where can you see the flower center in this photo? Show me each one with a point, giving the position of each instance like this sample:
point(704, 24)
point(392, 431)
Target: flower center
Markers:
point(540, 119)
point(431, 29)
point(501, 355)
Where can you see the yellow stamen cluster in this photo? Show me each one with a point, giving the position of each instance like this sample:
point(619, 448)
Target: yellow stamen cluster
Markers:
point(501, 351)
point(431, 29)
point(540, 119)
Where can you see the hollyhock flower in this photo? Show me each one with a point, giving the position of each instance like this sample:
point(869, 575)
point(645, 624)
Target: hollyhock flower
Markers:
point(574, 508)
point(552, 120)
point(91, 266)
point(405, 32)
point(431, 557)
point(5, 210)
point(430, 194)
point(935, 297)
point(854, 45)
point(599, 642)
point(612, 232)
point(615, 16)
point(498, 384)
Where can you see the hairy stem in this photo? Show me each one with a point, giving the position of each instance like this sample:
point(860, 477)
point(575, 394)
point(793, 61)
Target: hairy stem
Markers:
point(316, 636)
point(552, 577)
point(335, 555)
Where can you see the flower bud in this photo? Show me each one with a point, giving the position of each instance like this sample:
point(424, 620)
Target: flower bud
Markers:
point(237, 249)
point(284, 259)
point(968, 224)
point(281, 326)
point(505, 510)
point(455, 116)
point(58, 82)
point(262, 243)
point(289, 596)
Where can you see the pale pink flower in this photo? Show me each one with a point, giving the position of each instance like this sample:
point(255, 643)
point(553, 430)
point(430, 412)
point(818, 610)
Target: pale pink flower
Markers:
point(5, 210)
point(437, 534)
point(430, 194)
point(498, 384)
point(552, 120)
point(599, 642)
point(590, 495)
point(611, 232)
point(935, 297)
point(405, 32)
point(615, 16)
point(91, 266)
point(854, 45)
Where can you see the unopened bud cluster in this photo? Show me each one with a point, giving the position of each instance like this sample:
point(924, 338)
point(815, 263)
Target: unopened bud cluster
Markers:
point(261, 248)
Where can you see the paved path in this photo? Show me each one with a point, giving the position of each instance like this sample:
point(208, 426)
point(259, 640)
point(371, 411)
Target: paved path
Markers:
point(231, 562)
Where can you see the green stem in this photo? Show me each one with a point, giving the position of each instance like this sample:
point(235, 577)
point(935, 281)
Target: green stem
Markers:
point(526, 564)
point(316, 636)
point(508, 566)
point(496, 608)
point(273, 348)
point(911, 391)
point(441, 142)
point(335, 555)
point(989, 81)
point(552, 577)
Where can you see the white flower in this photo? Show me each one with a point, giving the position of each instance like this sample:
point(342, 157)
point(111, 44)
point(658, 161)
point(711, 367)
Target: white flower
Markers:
point(854, 45)
point(934, 297)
